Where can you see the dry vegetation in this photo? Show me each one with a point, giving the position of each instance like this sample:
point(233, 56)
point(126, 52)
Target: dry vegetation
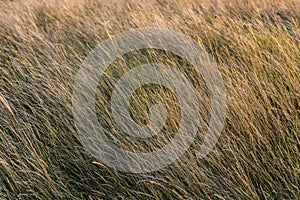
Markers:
point(256, 46)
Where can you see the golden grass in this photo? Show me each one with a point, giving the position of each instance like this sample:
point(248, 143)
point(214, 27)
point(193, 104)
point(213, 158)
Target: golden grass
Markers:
point(256, 45)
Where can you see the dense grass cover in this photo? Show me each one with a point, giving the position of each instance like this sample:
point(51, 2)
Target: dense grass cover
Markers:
point(256, 45)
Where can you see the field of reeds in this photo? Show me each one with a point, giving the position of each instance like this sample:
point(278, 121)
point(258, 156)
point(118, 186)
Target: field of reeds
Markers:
point(256, 46)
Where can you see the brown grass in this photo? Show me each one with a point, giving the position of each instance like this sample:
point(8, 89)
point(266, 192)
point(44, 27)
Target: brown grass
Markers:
point(256, 45)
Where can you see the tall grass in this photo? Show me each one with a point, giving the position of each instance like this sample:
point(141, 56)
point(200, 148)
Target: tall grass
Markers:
point(256, 45)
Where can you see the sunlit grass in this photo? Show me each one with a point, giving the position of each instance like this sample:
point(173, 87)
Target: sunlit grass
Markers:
point(256, 45)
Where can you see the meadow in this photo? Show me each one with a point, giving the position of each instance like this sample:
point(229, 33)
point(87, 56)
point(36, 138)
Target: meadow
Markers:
point(256, 46)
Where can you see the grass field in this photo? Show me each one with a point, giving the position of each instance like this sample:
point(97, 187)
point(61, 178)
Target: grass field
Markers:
point(256, 45)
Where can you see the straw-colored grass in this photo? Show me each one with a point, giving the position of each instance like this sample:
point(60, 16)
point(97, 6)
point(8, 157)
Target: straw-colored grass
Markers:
point(256, 45)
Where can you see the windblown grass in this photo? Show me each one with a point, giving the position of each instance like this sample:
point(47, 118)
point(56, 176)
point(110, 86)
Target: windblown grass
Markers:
point(256, 45)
